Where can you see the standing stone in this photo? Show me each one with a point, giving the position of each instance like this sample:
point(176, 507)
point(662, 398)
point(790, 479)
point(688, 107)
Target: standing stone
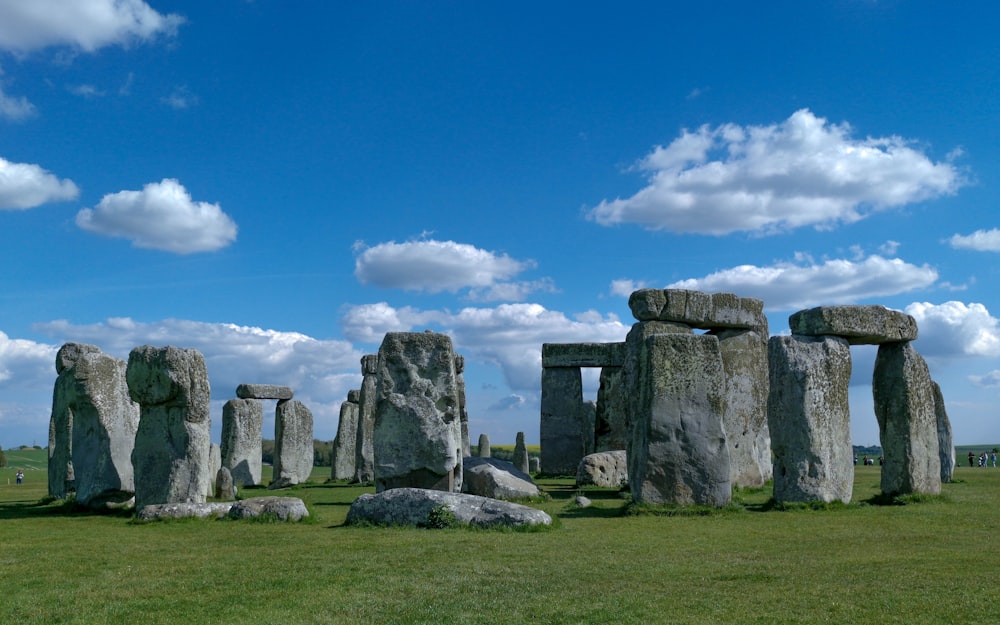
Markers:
point(214, 464)
point(418, 430)
point(520, 454)
point(462, 411)
point(171, 454)
point(242, 429)
point(364, 459)
point(946, 443)
point(293, 444)
point(94, 394)
point(484, 446)
point(588, 414)
point(562, 430)
point(343, 453)
point(905, 408)
point(225, 488)
point(744, 361)
point(679, 453)
point(535, 464)
point(610, 432)
point(61, 477)
point(809, 418)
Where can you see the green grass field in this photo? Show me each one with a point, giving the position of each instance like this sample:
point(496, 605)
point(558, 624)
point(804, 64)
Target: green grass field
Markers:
point(928, 562)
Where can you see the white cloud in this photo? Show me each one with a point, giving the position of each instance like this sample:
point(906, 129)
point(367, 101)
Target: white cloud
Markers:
point(955, 329)
point(161, 216)
point(624, 287)
point(23, 185)
point(26, 364)
point(511, 402)
point(790, 286)
point(765, 179)
point(980, 240)
point(990, 380)
point(15, 109)
point(436, 266)
point(85, 91)
point(509, 336)
point(30, 25)
point(180, 98)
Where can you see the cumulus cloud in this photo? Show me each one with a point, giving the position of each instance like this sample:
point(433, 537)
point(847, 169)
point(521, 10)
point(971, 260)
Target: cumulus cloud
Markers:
point(436, 266)
point(625, 287)
point(15, 109)
point(509, 336)
point(163, 217)
point(23, 185)
point(803, 171)
point(26, 364)
point(87, 25)
point(955, 329)
point(792, 286)
point(511, 402)
point(980, 241)
point(990, 380)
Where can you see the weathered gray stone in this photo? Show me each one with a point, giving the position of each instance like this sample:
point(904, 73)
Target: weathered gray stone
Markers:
point(92, 398)
point(679, 453)
point(281, 508)
point(364, 459)
point(946, 443)
point(242, 425)
point(354, 396)
point(499, 479)
point(415, 507)
point(520, 453)
point(293, 444)
point(860, 325)
point(588, 414)
point(562, 426)
point(698, 309)
point(214, 464)
point(608, 469)
point(484, 446)
point(744, 361)
point(184, 510)
point(171, 454)
point(418, 430)
point(610, 430)
point(344, 452)
point(60, 463)
point(535, 464)
point(583, 354)
point(582, 502)
point(462, 410)
point(905, 408)
point(264, 391)
point(225, 488)
point(809, 418)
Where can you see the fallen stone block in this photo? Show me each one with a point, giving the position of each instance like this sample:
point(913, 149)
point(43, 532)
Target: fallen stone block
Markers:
point(416, 507)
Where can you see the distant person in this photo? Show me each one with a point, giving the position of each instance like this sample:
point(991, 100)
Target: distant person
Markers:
point(972, 459)
point(993, 458)
point(20, 476)
point(881, 460)
point(855, 459)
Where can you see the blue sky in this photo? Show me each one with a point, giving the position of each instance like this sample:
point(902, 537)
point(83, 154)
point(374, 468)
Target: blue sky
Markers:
point(278, 184)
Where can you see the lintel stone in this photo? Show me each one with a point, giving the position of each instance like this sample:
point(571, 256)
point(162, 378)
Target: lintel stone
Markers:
point(263, 391)
point(705, 311)
point(583, 354)
point(860, 325)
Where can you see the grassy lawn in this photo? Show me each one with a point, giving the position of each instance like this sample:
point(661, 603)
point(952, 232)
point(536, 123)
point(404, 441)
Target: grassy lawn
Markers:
point(926, 562)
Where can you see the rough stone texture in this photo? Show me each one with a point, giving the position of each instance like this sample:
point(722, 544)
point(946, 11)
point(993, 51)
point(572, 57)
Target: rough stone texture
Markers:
point(264, 391)
point(607, 469)
point(61, 477)
point(499, 479)
point(946, 443)
point(562, 426)
point(535, 464)
point(588, 418)
point(609, 419)
point(582, 502)
point(744, 361)
point(242, 425)
point(214, 464)
point(224, 486)
point(293, 444)
point(860, 325)
point(91, 397)
point(698, 309)
point(462, 411)
point(344, 452)
point(907, 420)
point(809, 418)
point(413, 506)
point(583, 354)
point(679, 453)
point(418, 430)
point(202, 510)
point(282, 508)
point(171, 454)
point(484, 446)
point(364, 459)
point(520, 453)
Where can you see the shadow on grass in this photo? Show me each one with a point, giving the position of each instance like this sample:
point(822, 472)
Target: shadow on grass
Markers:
point(49, 508)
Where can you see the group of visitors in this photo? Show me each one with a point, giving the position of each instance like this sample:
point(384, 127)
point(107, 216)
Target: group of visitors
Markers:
point(985, 459)
point(869, 462)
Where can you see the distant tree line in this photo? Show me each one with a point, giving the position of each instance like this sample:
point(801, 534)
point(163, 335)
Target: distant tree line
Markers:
point(3, 458)
point(322, 451)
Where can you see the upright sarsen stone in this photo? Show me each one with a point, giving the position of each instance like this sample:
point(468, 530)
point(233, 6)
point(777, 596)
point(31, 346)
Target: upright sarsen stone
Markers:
point(809, 418)
point(242, 425)
point(293, 443)
point(344, 453)
point(418, 430)
point(562, 427)
point(171, 454)
point(521, 454)
point(907, 419)
point(60, 464)
point(946, 443)
point(364, 461)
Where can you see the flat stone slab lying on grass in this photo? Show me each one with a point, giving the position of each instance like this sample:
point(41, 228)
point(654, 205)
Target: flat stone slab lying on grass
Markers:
point(495, 478)
point(264, 391)
point(283, 508)
point(413, 506)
